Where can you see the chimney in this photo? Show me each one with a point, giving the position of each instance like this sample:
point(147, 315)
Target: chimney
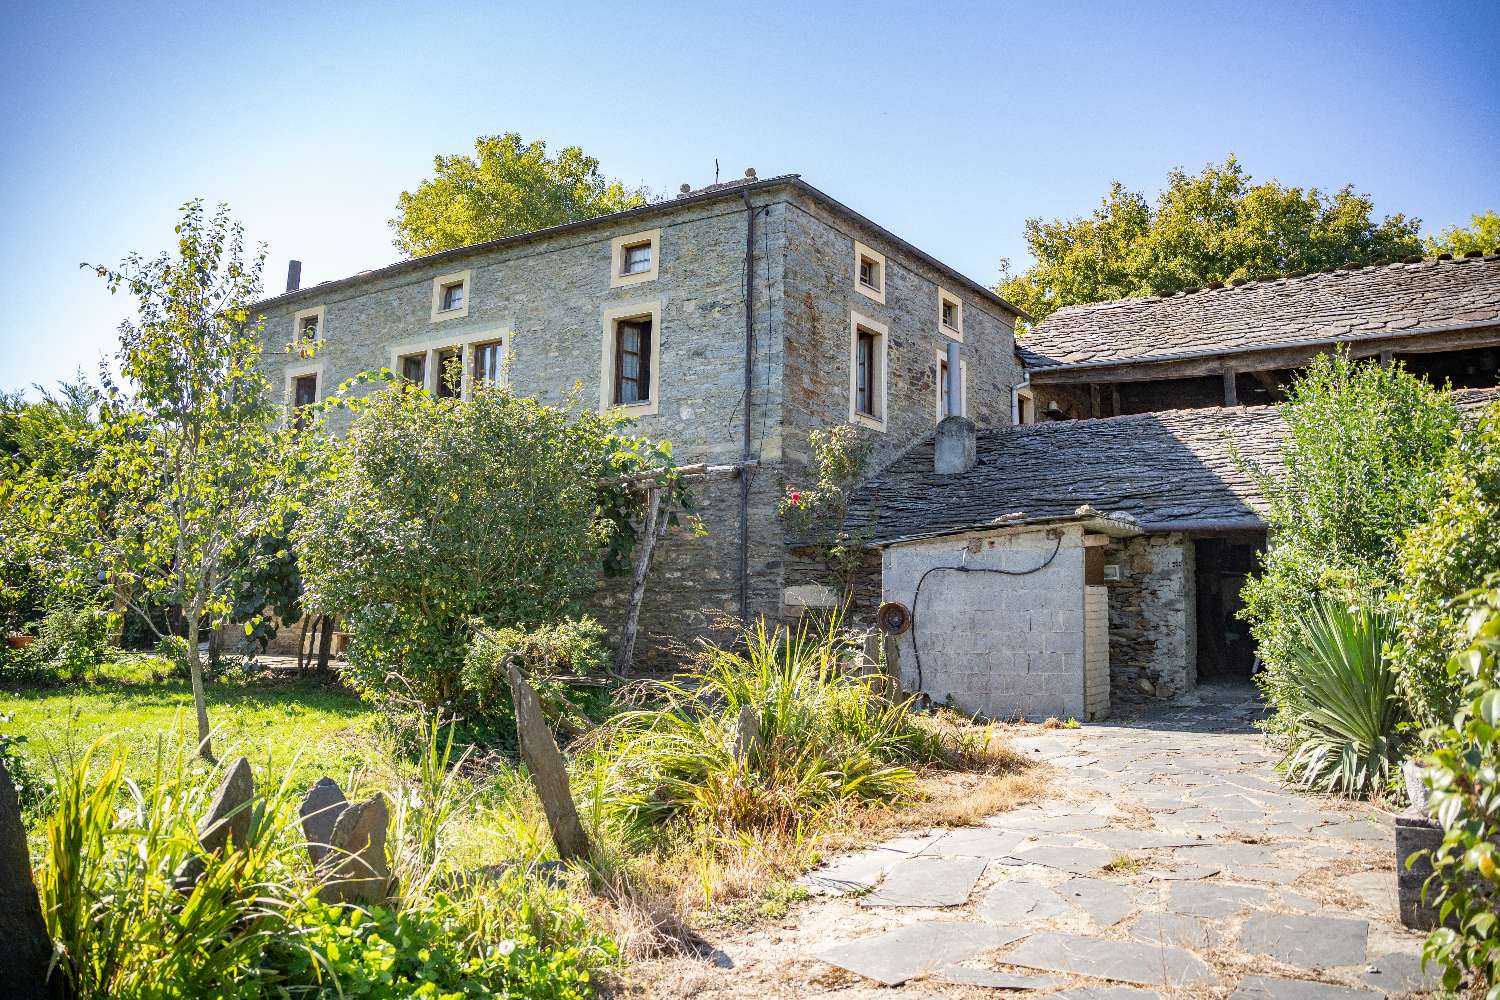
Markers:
point(955, 387)
point(953, 446)
point(293, 275)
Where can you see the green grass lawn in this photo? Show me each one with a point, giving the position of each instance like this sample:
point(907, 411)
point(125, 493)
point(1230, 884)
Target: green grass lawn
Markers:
point(319, 728)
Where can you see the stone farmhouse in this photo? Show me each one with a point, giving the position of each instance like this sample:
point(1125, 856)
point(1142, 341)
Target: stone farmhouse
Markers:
point(731, 320)
point(1071, 567)
point(1055, 527)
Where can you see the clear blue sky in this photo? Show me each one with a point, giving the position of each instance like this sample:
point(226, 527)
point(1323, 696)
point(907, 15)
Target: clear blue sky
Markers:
point(949, 126)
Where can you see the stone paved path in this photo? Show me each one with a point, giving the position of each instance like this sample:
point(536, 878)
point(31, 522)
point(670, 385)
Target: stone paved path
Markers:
point(1173, 863)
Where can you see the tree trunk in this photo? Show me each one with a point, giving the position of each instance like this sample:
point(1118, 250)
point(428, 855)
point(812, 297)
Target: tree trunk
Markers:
point(654, 528)
point(325, 642)
point(195, 672)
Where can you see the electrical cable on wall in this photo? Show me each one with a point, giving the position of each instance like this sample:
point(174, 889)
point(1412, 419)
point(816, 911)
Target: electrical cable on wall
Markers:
point(916, 597)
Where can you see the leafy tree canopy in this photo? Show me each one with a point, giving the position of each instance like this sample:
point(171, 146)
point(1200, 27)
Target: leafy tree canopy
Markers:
point(1482, 234)
point(1213, 226)
point(507, 187)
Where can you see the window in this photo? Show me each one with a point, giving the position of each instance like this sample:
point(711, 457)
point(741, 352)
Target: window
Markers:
point(450, 295)
point(869, 272)
point(634, 258)
point(449, 372)
point(633, 361)
point(867, 371)
point(950, 314)
point(485, 365)
point(307, 328)
point(630, 358)
point(301, 390)
point(637, 258)
point(414, 368)
point(941, 394)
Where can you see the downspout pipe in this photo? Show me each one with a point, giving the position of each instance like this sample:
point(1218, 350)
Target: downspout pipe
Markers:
point(1015, 398)
point(746, 449)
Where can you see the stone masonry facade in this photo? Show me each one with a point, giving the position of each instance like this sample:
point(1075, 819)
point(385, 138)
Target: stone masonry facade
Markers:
point(1153, 631)
point(547, 297)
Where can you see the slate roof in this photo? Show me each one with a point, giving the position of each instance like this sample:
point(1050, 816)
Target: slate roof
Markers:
point(1173, 470)
point(1387, 300)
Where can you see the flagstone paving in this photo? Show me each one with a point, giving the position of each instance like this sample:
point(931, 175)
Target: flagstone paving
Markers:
point(1172, 863)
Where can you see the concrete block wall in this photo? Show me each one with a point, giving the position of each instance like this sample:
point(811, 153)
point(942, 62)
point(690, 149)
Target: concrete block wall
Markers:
point(1152, 619)
point(1096, 692)
point(1001, 646)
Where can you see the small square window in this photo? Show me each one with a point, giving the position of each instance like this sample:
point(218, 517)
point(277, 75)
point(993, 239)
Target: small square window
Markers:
point(869, 272)
point(450, 295)
point(637, 259)
point(309, 329)
point(414, 368)
point(950, 314)
point(634, 258)
point(453, 296)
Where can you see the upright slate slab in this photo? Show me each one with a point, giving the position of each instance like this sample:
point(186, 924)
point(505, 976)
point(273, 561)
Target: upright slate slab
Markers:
point(25, 946)
point(356, 870)
point(229, 814)
point(320, 810)
point(896, 956)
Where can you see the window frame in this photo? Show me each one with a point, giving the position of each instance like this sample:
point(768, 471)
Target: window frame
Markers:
point(861, 254)
point(610, 319)
point(472, 360)
point(292, 374)
point(430, 349)
point(946, 297)
point(963, 385)
point(617, 246)
point(879, 381)
point(445, 281)
point(317, 313)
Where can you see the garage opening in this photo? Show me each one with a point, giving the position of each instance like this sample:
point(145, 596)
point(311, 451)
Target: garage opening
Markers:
point(1226, 649)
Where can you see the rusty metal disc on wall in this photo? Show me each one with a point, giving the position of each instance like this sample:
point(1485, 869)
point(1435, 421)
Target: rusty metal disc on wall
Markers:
point(893, 618)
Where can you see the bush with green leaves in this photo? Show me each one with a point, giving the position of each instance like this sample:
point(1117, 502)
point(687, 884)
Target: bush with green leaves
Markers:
point(71, 643)
point(1453, 552)
point(1464, 776)
point(436, 513)
point(573, 647)
point(823, 734)
point(1362, 464)
point(33, 788)
point(1343, 709)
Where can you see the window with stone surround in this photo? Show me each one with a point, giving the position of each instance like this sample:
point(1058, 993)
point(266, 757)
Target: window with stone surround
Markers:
point(634, 258)
point(485, 361)
point(950, 314)
point(869, 272)
point(307, 329)
point(630, 358)
point(449, 372)
point(450, 295)
point(867, 371)
point(942, 386)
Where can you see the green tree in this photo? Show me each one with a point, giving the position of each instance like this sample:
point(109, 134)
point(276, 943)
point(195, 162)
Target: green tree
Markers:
point(1362, 463)
point(439, 516)
point(1482, 234)
point(1214, 226)
point(507, 187)
point(191, 466)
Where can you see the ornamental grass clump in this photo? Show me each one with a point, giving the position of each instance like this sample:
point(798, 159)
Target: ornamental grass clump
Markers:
point(762, 735)
point(1343, 706)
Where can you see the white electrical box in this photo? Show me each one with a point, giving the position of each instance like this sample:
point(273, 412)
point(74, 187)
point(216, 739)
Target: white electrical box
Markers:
point(1112, 572)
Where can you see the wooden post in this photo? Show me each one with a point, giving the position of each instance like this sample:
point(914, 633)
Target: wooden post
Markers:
point(548, 774)
point(653, 530)
point(1231, 396)
point(1096, 408)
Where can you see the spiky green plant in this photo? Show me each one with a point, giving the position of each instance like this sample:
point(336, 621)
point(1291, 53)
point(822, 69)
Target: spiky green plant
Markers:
point(1342, 703)
point(822, 733)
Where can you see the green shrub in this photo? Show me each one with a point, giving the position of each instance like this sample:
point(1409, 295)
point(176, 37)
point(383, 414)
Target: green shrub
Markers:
point(1342, 702)
point(72, 643)
point(1464, 775)
point(573, 647)
point(1361, 465)
point(438, 512)
point(33, 788)
point(1454, 552)
point(822, 735)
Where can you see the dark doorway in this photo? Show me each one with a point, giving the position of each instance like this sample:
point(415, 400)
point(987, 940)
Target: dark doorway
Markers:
point(1226, 650)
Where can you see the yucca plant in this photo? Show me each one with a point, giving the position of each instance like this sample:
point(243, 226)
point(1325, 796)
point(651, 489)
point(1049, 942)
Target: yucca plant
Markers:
point(822, 734)
point(1342, 703)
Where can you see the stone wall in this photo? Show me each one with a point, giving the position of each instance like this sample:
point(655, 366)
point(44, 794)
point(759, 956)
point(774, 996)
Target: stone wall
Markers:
point(1002, 646)
point(1153, 630)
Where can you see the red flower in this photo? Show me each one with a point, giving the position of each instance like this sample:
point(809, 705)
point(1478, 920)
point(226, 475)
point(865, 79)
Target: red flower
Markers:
point(795, 498)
